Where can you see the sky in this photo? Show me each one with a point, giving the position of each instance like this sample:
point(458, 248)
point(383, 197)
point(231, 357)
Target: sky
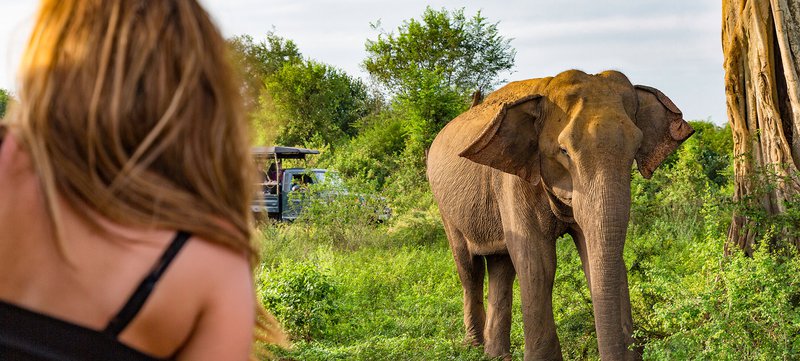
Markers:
point(670, 45)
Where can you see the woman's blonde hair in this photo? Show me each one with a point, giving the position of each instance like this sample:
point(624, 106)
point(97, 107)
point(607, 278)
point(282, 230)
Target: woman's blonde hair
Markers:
point(130, 108)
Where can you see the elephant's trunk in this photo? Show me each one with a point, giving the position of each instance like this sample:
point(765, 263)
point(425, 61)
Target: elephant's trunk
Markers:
point(603, 213)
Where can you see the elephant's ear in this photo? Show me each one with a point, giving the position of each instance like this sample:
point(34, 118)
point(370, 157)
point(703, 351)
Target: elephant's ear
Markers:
point(510, 142)
point(663, 129)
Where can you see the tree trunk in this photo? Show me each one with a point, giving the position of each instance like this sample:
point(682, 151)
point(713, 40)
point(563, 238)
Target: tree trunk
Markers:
point(761, 43)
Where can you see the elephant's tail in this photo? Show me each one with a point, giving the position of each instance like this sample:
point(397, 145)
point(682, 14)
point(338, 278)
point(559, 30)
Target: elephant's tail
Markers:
point(477, 98)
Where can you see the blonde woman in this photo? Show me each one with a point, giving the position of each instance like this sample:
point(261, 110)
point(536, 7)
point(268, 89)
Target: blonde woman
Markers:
point(124, 188)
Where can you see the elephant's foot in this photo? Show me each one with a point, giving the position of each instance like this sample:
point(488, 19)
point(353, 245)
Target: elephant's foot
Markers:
point(473, 340)
point(496, 354)
point(474, 321)
point(540, 355)
point(543, 348)
point(497, 347)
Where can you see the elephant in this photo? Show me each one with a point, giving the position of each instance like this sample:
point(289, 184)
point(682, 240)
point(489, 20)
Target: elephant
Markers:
point(538, 159)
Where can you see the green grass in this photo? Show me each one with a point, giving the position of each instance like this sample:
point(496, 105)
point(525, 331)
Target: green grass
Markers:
point(403, 302)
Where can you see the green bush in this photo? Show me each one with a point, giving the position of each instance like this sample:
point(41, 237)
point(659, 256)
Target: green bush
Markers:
point(777, 232)
point(744, 309)
point(302, 297)
point(330, 217)
point(689, 301)
point(698, 173)
point(418, 226)
point(372, 156)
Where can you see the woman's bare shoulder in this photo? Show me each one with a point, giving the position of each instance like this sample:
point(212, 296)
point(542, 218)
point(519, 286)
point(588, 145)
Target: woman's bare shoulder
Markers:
point(213, 265)
point(204, 304)
point(225, 327)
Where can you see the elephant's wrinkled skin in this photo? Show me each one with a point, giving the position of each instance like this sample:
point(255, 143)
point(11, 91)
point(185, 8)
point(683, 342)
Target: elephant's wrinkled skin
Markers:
point(538, 159)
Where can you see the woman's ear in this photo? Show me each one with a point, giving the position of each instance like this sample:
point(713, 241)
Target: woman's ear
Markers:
point(510, 141)
point(663, 129)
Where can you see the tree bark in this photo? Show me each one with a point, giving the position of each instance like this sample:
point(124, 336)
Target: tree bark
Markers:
point(761, 44)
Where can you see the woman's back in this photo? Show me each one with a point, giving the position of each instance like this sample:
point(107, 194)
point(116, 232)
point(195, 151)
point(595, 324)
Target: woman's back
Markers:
point(129, 129)
point(102, 269)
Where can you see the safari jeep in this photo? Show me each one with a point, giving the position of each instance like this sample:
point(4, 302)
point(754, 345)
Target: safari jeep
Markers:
point(281, 191)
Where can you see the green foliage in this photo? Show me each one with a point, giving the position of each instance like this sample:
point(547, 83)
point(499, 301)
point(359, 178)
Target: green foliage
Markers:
point(316, 101)
point(256, 61)
point(395, 302)
point(302, 297)
point(689, 301)
point(714, 148)
point(429, 108)
point(374, 154)
point(296, 101)
point(747, 311)
point(433, 65)
point(430, 65)
point(307, 103)
point(265, 57)
point(777, 230)
point(572, 306)
point(465, 54)
point(698, 172)
point(338, 215)
point(5, 99)
point(389, 152)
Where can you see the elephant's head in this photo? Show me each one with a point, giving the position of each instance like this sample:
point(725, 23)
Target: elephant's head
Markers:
point(579, 135)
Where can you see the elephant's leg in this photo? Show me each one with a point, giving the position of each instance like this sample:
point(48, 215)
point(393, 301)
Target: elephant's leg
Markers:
point(535, 263)
point(498, 323)
point(580, 244)
point(471, 270)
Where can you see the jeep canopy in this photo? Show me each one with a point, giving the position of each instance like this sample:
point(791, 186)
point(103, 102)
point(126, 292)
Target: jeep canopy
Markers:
point(281, 152)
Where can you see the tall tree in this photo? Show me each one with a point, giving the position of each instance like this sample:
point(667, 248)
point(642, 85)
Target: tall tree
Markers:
point(295, 101)
point(257, 60)
point(431, 66)
point(461, 54)
point(761, 44)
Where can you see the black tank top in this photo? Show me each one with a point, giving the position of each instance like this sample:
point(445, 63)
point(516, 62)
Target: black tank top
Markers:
point(26, 335)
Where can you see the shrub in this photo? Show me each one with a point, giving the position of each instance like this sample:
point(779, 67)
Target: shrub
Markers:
point(302, 297)
point(699, 172)
point(339, 215)
point(744, 309)
point(779, 231)
point(372, 156)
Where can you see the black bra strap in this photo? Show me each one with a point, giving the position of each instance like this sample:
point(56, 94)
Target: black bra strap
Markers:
point(140, 295)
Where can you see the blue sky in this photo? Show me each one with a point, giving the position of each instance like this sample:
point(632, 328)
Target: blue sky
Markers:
point(671, 45)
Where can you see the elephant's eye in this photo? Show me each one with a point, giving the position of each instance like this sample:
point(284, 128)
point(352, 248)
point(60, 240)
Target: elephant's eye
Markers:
point(564, 151)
